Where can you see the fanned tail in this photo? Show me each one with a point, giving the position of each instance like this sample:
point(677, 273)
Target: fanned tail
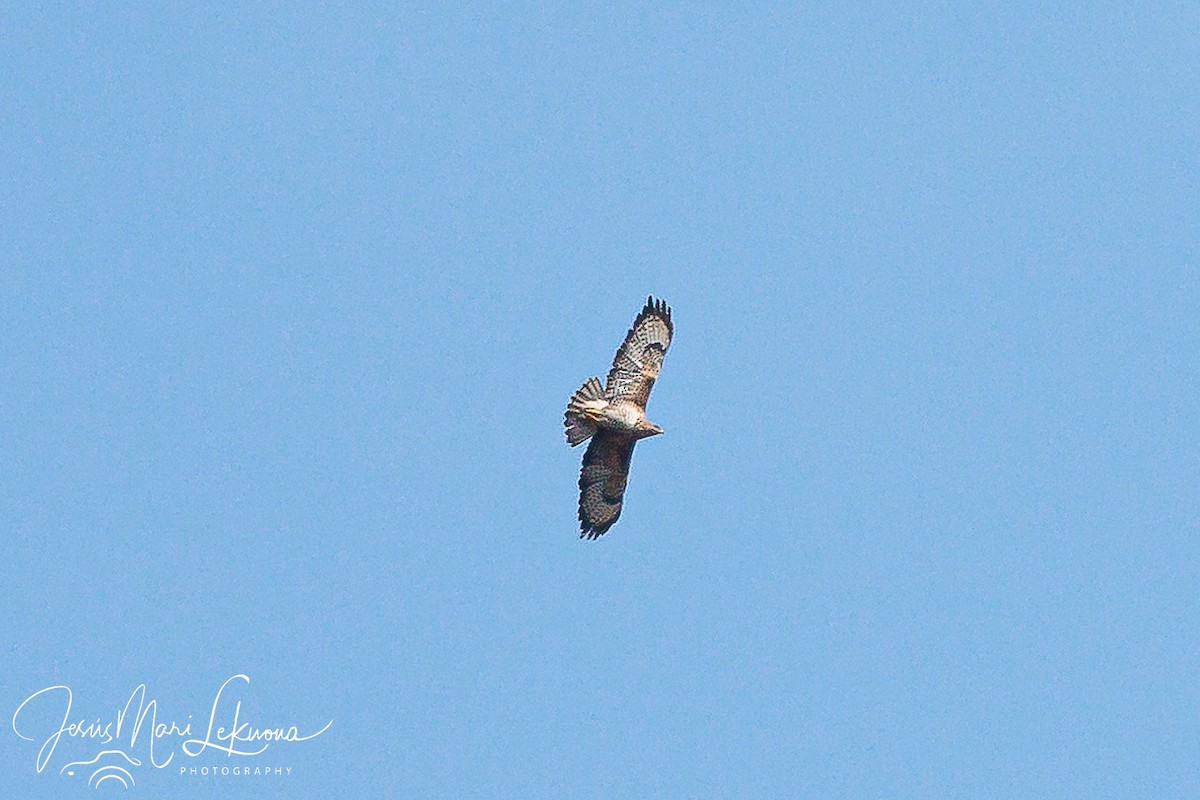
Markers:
point(579, 430)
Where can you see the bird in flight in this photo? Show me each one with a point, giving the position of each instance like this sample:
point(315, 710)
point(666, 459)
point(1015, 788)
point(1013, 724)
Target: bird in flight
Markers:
point(614, 418)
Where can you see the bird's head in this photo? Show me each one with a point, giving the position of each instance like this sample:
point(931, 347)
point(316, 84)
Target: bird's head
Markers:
point(648, 428)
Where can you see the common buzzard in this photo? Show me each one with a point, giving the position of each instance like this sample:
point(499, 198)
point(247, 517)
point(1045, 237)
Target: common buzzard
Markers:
point(614, 418)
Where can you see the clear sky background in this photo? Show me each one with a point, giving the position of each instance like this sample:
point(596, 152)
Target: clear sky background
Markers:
point(293, 299)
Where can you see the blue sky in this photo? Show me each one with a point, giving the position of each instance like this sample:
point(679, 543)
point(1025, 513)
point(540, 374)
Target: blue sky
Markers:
point(293, 298)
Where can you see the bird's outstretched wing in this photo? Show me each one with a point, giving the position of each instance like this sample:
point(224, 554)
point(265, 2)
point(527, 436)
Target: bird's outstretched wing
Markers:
point(640, 356)
point(602, 481)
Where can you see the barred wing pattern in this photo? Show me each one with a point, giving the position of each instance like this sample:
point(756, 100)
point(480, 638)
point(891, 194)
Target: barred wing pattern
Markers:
point(640, 356)
point(602, 481)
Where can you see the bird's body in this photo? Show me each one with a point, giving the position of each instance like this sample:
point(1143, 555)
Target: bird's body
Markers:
point(620, 417)
point(614, 417)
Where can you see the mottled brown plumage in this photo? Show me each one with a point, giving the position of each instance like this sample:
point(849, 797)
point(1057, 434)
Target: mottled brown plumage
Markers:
point(614, 417)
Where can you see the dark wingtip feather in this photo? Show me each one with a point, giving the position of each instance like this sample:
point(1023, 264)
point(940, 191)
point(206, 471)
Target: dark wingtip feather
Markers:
point(590, 531)
point(659, 308)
